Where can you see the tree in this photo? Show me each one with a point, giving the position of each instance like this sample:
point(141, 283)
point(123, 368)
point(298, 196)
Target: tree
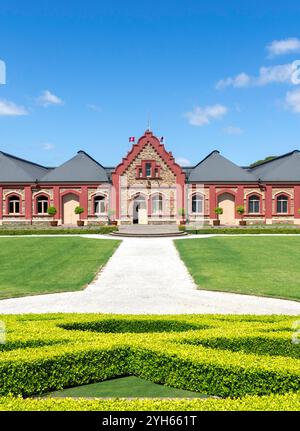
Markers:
point(259, 162)
point(218, 211)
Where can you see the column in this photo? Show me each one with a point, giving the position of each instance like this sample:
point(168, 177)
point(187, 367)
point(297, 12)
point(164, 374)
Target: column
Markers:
point(56, 202)
point(268, 205)
point(28, 203)
point(84, 201)
point(212, 202)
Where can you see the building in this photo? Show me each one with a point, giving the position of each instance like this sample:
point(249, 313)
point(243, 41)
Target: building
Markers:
point(149, 187)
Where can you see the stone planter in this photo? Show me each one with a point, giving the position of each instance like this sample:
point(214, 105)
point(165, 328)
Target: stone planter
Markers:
point(216, 222)
point(53, 223)
point(113, 223)
point(80, 223)
point(242, 223)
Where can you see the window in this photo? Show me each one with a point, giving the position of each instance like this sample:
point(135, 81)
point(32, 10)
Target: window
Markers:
point(197, 203)
point(42, 204)
point(99, 204)
point(140, 172)
point(14, 205)
point(254, 204)
point(148, 169)
point(282, 204)
point(157, 204)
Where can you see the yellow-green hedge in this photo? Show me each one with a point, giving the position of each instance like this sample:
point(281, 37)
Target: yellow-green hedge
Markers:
point(249, 358)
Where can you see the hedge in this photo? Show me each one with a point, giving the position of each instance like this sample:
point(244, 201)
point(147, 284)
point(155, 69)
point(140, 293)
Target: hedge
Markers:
point(248, 358)
point(241, 230)
point(59, 231)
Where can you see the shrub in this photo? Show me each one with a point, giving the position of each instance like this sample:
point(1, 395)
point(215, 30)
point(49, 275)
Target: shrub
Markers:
point(249, 358)
point(79, 210)
point(59, 231)
point(52, 211)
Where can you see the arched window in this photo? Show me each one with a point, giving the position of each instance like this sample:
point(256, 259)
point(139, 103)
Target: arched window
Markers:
point(42, 204)
point(99, 204)
point(197, 203)
point(282, 204)
point(157, 204)
point(14, 204)
point(254, 204)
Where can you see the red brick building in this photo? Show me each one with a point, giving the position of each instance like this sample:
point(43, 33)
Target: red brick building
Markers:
point(149, 187)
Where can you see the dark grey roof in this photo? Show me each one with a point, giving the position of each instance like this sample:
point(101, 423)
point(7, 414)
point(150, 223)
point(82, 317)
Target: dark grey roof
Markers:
point(216, 168)
point(282, 168)
point(81, 168)
point(14, 169)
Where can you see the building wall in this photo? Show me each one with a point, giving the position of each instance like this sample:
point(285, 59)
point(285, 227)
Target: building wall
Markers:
point(166, 185)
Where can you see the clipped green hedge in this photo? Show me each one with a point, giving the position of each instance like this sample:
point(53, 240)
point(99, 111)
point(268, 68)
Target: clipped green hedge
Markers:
point(241, 230)
point(59, 231)
point(247, 358)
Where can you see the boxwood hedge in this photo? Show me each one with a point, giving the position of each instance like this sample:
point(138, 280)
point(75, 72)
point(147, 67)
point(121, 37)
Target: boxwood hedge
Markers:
point(241, 230)
point(249, 362)
point(58, 231)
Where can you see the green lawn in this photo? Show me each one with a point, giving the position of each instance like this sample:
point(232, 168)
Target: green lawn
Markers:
point(129, 387)
point(31, 266)
point(256, 266)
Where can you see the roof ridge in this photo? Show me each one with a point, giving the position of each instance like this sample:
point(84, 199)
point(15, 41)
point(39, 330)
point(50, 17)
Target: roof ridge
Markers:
point(206, 157)
point(24, 160)
point(90, 157)
point(275, 158)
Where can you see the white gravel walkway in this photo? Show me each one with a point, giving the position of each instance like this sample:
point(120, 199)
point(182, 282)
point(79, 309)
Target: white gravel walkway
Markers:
point(147, 276)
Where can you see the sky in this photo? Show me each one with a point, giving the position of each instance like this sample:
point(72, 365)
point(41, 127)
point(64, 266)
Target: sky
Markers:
point(87, 75)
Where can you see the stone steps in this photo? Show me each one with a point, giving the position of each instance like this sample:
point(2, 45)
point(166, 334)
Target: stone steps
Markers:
point(148, 231)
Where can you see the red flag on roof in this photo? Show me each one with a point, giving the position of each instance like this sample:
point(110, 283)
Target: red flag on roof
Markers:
point(131, 138)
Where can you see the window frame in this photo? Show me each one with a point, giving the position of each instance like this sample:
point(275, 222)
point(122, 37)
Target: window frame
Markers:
point(99, 200)
point(196, 199)
point(285, 201)
point(14, 199)
point(252, 201)
point(157, 208)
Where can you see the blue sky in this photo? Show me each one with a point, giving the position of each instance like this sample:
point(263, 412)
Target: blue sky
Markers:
point(88, 74)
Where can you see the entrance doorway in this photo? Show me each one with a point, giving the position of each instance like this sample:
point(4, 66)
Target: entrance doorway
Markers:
point(227, 202)
point(69, 203)
point(140, 210)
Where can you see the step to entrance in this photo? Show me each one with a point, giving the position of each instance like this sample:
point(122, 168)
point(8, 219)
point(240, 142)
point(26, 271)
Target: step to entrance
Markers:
point(148, 231)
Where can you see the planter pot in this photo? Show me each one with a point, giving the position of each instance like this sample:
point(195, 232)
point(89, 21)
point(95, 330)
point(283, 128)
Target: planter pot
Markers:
point(80, 223)
point(182, 222)
point(53, 223)
point(243, 223)
point(113, 223)
point(216, 222)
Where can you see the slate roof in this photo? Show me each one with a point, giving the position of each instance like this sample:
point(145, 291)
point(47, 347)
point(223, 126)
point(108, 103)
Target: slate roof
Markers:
point(15, 169)
point(81, 168)
point(216, 168)
point(282, 168)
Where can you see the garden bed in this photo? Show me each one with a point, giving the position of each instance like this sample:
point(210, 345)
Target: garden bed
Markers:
point(203, 354)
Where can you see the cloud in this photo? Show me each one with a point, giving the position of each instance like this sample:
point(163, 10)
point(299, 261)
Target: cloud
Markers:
point(93, 107)
point(292, 100)
point(201, 116)
point(233, 130)
point(183, 162)
point(240, 80)
point(11, 109)
point(283, 46)
point(281, 73)
point(48, 147)
point(47, 98)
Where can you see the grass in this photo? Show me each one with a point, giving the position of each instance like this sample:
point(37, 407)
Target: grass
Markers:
point(32, 266)
point(266, 266)
point(125, 387)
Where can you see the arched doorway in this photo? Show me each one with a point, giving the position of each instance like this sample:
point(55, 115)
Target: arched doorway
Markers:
point(69, 202)
point(227, 202)
point(139, 215)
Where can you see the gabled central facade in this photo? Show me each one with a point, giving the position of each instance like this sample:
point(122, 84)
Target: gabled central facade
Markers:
point(149, 187)
point(149, 184)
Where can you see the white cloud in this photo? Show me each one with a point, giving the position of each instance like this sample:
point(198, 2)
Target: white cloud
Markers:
point(183, 161)
point(48, 147)
point(47, 98)
point(93, 107)
point(292, 100)
point(283, 46)
point(281, 73)
point(11, 109)
point(241, 80)
point(201, 116)
point(233, 130)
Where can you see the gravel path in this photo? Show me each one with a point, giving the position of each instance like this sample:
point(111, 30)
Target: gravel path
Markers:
point(147, 276)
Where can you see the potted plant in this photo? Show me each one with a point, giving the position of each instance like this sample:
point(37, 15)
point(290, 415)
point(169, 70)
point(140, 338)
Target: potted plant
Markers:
point(79, 210)
point(52, 211)
point(181, 213)
point(218, 211)
point(240, 209)
point(110, 215)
